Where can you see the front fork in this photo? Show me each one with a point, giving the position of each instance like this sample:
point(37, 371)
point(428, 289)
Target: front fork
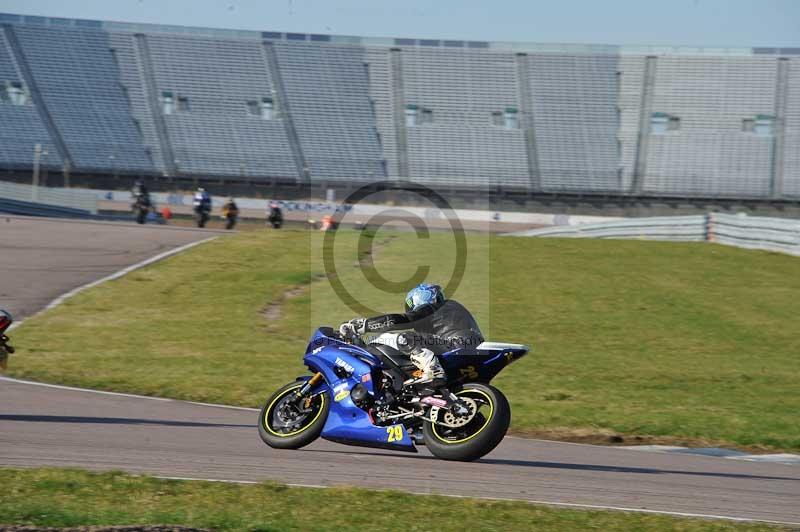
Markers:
point(313, 381)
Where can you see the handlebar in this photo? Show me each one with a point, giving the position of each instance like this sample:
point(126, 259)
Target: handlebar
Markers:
point(350, 336)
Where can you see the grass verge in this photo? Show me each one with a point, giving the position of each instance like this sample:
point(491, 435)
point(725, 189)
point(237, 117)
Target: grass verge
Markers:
point(68, 498)
point(677, 342)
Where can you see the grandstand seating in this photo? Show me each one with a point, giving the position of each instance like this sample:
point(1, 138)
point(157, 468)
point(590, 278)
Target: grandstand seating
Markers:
point(710, 154)
point(791, 148)
point(130, 67)
point(78, 82)
point(326, 86)
point(21, 127)
point(8, 70)
point(21, 130)
point(381, 96)
point(216, 135)
point(575, 119)
point(166, 100)
point(460, 145)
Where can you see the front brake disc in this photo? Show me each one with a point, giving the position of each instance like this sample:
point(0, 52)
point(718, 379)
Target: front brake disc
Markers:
point(454, 421)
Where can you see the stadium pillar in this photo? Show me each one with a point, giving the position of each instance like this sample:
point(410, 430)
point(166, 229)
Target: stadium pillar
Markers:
point(399, 108)
point(37, 156)
point(66, 174)
point(149, 83)
point(779, 121)
point(284, 108)
point(645, 110)
point(527, 122)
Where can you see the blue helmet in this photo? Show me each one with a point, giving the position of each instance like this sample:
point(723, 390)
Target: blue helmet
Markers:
point(424, 294)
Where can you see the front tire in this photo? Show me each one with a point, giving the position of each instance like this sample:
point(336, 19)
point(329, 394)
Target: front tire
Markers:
point(486, 428)
point(283, 426)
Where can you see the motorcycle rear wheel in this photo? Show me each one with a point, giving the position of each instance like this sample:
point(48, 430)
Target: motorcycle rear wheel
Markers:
point(490, 416)
point(283, 426)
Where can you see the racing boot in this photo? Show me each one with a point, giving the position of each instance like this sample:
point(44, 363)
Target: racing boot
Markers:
point(430, 379)
point(430, 373)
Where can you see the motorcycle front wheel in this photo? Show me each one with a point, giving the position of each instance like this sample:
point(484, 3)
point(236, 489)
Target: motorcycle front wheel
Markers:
point(290, 422)
point(473, 435)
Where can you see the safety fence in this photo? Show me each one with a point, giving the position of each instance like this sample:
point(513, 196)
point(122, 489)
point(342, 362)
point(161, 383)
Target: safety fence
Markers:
point(772, 234)
point(84, 200)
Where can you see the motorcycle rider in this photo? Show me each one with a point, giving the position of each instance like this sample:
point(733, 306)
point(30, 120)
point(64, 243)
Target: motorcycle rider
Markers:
point(230, 212)
point(141, 201)
point(439, 325)
point(274, 215)
point(202, 206)
point(139, 190)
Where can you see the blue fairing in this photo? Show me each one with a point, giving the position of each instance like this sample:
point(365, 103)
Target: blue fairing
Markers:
point(345, 365)
point(346, 422)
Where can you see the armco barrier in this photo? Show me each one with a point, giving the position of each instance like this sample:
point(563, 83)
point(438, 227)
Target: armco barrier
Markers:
point(772, 234)
point(82, 200)
point(27, 208)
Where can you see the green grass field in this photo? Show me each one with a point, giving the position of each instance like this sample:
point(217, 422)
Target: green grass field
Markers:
point(69, 498)
point(692, 342)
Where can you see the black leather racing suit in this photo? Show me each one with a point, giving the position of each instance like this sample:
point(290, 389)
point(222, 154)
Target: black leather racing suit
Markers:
point(438, 328)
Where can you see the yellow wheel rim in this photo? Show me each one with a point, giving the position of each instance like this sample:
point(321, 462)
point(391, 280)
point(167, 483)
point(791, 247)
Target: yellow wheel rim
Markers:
point(485, 424)
point(267, 411)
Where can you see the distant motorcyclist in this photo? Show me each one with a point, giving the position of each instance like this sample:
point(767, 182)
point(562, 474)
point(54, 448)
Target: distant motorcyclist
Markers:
point(439, 325)
point(142, 203)
point(139, 189)
point(202, 206)
point(230, 212)
point(274, 215)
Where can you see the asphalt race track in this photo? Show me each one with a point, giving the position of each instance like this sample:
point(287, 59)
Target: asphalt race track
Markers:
point(43, 258)
point(43, 425)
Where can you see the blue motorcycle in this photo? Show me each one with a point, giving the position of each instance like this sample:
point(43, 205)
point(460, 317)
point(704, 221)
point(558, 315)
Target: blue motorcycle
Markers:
point(360, 394)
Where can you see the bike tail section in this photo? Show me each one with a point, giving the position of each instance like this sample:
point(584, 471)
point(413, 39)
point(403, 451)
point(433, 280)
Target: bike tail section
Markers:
point(483, 363)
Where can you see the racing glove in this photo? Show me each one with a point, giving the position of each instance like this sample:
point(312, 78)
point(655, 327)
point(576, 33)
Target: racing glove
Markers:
point(354, 327)
point(359, 325)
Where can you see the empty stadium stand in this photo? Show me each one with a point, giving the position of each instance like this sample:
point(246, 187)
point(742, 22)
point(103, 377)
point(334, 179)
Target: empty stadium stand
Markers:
point(213, 133)
point(575, 120)
point(21, 127)
point(790, 170)
point(448, 97)
point(326, 88)
point(709, 152)
point(80, 90)
point(535, 119)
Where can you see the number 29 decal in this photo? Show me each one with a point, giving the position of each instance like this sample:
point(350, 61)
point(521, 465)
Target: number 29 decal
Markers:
point(395, 433)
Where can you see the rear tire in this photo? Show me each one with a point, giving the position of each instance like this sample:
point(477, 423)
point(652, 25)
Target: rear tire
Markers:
point(309, 429)
point(479, 436)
